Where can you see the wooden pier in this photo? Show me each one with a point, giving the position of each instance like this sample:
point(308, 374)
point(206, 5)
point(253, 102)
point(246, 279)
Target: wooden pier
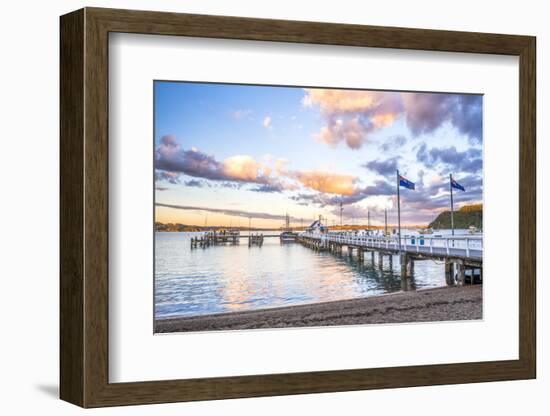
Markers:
point(214, 238)
point(220, 238)
point(255, 240)
point(462, 255)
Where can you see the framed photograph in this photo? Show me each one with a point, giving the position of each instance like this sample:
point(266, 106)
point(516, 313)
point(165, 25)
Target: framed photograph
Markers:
point(256, 207)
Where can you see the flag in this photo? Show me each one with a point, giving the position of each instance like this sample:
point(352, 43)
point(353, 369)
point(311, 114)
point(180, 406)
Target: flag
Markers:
point(456, 185)
point(405, 183)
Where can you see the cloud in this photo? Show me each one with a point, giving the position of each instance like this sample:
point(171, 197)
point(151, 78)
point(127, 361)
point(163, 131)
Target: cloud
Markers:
point(451, 159)
point(380, 187)
point(243, 168)
point(281, 166)
point(425, 112)
point(319, 199)
point(336, 101)
point(171, 159)
point(226, 211)
point(326, 182)
point(231, 185)
point(467, 117)
point(267, 122)
point(351, 131)
point(393, 143)
point(351, 116)
point(359, 213)
point(193, 183)
point(268, 188)
point(241, 113)
point(383, 167)
point(167, 176)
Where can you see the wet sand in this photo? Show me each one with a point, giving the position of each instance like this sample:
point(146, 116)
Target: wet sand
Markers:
point(440, 304)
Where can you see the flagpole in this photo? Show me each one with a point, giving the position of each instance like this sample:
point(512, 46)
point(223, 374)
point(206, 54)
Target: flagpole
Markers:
point(368, 220)
point(385, 222)
point(452, 205)
point(398, 212)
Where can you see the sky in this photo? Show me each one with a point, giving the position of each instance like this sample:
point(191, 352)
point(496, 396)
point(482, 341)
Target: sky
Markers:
point(230, 155)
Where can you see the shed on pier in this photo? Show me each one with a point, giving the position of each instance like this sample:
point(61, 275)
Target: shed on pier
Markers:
point(317, 227)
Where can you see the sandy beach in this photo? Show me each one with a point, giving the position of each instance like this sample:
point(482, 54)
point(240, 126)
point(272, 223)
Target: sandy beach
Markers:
point(440, 304)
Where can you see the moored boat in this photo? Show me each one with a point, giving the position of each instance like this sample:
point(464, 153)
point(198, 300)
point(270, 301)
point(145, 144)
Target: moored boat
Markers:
point(287, 236)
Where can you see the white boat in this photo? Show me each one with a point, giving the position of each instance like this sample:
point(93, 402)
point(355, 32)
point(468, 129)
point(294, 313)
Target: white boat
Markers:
point(287, 235)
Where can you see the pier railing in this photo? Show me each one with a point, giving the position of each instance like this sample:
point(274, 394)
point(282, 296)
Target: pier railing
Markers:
point(449, 246)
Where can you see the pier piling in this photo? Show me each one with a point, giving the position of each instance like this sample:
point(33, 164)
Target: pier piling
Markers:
point(449, 276)
point(461, 273)
point(403, 258)
point(463, 261)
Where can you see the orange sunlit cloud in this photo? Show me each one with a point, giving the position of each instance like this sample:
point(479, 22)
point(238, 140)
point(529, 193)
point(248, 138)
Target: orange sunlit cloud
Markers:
point(245, 168)
point(241, 167)
point(340, 100)
point(352, 115)
point(327, 182)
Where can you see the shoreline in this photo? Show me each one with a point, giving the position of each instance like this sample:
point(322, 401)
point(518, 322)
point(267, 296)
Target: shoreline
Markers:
point(427, 305)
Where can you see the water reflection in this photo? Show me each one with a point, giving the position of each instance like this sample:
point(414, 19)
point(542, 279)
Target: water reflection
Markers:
point(235, 277)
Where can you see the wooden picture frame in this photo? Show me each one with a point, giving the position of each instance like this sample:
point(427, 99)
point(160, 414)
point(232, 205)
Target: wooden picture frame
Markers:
point(84, 207)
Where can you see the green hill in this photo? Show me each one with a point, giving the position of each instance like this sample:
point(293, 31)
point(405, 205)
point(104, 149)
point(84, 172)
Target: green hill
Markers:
point(463, 218)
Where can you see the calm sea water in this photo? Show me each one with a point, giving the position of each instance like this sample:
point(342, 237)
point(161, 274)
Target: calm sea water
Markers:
point(232, 278)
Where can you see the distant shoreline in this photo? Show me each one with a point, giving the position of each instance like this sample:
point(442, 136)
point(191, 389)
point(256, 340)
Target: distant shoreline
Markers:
point(191, 229)
point(428, 305)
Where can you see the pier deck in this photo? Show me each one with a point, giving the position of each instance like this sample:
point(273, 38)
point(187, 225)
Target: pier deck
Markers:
point(460, 247)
